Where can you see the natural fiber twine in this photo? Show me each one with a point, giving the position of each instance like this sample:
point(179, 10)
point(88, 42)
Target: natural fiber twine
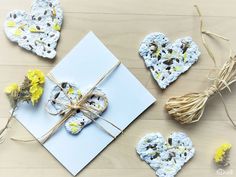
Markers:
point(190, 107)
point(73, 107)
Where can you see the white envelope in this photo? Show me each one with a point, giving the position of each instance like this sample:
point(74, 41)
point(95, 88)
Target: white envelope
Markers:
point(127, 97)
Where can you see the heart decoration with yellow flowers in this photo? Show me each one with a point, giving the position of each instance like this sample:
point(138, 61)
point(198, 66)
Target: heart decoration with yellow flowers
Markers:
point(38, 31)
point(168, 60)
point(65, 98)
point(166, 157)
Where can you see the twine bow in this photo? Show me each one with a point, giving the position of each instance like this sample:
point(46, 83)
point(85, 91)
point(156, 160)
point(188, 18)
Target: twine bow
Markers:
point(190, 107)
point(75, 105)
point(81, 104)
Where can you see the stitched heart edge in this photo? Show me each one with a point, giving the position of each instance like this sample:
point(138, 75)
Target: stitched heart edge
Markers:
point(161, 39)
point(144, 141)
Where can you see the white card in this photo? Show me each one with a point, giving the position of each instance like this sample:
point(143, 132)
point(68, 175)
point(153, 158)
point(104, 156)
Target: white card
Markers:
point(127, 97)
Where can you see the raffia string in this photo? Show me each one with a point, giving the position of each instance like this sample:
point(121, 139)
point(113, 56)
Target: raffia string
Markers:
point(210, 53)
point(190, 107)
point(74, 106)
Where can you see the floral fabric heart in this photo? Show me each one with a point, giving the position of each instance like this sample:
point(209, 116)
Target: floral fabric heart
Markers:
point(38, 31)
point(60, 101)
point(166, 158)
point(168, 60)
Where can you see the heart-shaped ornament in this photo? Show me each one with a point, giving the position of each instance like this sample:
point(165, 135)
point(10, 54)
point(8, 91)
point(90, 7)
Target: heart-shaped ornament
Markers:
point(166, 158)
point(168, 60)
point(61, 99)
point(38, 31)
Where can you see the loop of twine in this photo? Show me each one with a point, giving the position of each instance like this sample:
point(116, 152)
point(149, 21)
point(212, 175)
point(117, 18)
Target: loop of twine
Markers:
point(189, 108)
point(89, 112)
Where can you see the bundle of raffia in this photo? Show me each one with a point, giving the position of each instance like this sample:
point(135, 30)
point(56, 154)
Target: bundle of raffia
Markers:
point(189, 108)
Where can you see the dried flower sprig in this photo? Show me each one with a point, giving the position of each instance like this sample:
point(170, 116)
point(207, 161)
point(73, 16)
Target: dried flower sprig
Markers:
point(221, 157)
point(30, 91)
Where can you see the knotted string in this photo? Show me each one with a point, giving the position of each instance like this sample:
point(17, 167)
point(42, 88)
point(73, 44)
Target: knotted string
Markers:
point(89, 112)
point(190, 107)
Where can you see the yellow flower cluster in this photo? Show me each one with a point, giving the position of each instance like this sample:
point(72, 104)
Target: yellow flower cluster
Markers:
point(36, 78)
point(13, 88)
point(36, 91)
point(221, 152)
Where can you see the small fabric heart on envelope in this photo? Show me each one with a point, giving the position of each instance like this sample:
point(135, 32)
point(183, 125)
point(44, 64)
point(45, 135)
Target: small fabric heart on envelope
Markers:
point(66, 95)
point(38, 31)
point(166, 158)
point(168, 60)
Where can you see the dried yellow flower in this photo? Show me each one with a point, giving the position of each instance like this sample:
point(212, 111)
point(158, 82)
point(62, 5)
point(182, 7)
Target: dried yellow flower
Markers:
point(30, 90)
point(12, 88)
point(36, 76)
point(36, 91)
point(220, 157)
